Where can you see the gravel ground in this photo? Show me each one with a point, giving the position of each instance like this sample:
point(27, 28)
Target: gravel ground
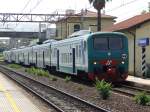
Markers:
point(116, 102)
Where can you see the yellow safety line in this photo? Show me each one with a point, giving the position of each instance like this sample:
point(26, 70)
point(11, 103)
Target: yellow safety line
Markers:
point(10, 99)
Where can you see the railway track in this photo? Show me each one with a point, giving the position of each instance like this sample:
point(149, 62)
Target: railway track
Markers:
point(129, 90)
point(59, 100)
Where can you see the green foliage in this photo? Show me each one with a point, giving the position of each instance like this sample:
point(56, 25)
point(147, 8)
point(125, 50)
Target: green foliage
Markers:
point(26, 70)
point(53, 78)
point(103, 88)
point(142, 98)
point(14, 66)
point(80, 88)
point(67, 79)
point(38, 72)
point(1, 57)
point(98, 4)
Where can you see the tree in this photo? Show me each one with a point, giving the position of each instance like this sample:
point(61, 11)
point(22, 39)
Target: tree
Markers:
point(98, 5)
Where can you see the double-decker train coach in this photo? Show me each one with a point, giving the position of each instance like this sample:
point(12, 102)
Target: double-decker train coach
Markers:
point(7, 55)
point(102, 54)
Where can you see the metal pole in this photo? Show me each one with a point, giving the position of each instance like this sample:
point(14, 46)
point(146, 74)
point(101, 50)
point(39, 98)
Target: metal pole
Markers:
point(144, 69)
point(40, 29)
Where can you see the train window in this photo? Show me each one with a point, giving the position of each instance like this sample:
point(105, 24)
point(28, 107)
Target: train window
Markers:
point(115, 43)
point(101, 43)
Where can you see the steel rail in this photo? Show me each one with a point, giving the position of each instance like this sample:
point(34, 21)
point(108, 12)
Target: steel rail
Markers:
point(134, 89)
point(62, 92)
point(32, 91)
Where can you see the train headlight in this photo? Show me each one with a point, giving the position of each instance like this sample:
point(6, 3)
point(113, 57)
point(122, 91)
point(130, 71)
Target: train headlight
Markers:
point(124, 56)
point(94, 62)
point(122, 62)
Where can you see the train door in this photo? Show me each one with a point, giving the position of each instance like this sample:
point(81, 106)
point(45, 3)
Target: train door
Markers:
point(73, 59)
point(57, 59)
point(28, 59)
point(36, 58)
point(18, 58)
point(49, 54)
point(23, 58)
point(43, 59)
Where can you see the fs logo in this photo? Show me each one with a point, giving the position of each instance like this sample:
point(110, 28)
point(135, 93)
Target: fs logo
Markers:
point(108, 62)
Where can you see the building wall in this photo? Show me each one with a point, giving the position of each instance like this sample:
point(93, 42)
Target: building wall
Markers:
point(66, 27)
point(131, 50)
point(141, 32)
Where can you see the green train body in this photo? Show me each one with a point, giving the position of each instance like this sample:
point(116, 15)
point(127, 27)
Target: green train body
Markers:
point(110, 60)
point(101, 54)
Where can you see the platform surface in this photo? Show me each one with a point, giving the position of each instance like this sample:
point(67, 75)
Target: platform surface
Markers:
point(12, 99)
point(139, 80)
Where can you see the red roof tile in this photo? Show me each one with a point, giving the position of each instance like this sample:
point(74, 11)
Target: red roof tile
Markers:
point(87, 13)
point(129, 23)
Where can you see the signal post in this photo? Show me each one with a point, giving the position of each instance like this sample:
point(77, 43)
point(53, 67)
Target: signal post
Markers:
point(143, 43)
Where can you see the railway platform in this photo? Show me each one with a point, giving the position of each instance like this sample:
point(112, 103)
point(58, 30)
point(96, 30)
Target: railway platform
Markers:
point(12, 98)
point(139, 81)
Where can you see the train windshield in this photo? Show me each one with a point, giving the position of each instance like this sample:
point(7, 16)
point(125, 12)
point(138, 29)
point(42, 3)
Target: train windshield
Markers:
point(100, 43)
point(115, 43)
point(108, 43)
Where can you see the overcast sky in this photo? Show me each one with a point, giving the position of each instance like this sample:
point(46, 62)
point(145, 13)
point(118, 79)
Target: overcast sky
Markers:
point(122, 9)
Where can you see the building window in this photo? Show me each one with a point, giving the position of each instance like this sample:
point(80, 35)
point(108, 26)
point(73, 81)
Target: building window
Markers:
point(76, 27)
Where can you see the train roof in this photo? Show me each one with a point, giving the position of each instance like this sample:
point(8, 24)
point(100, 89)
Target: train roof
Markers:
point(80, 33)
point(49, 41)
point(85, 37)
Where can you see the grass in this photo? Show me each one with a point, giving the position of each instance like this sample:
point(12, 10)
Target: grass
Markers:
point(36, 71)
point(67, 79)
point(14, 66)
point(52, 78)
point(142, 98)
point(80, 88)
point(1, 57)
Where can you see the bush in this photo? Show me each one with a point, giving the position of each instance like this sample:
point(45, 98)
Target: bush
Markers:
point(103, 88)
point(14, 66)
point(53, 78)
point(38, 72)
point(67, 79)
point(142, 99)
point(80, 88)
point(26, 70)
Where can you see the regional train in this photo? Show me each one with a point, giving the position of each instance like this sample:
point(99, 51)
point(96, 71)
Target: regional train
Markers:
point(101, 54)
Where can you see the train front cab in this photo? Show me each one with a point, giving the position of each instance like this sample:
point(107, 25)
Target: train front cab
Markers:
point(108, 57)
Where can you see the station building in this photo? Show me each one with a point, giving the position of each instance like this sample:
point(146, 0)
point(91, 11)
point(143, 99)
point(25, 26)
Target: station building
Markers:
point(135, 28)
point(87, 21)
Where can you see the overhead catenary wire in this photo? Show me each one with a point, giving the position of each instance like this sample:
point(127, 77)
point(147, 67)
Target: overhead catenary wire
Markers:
point(122, 5)
point(37, 4)
point(26, 5)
